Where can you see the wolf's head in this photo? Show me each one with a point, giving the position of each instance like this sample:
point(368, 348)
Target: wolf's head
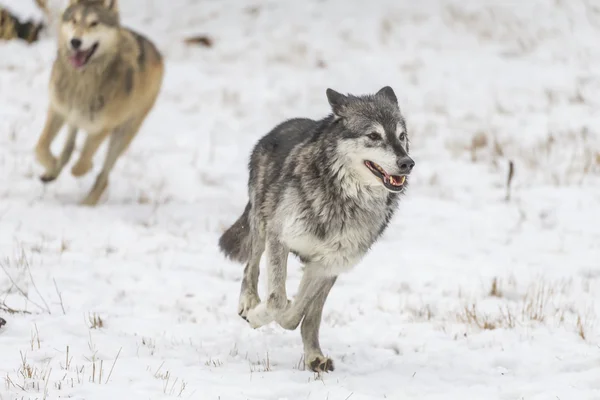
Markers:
point(89, 30)
point(372, 138)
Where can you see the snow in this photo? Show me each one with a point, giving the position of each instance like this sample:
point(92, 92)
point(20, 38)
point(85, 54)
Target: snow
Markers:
point(481, 83)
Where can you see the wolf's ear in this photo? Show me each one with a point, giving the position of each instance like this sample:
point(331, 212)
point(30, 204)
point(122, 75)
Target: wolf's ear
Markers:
point(388, 93)
point(111, 5)
point(337, 101)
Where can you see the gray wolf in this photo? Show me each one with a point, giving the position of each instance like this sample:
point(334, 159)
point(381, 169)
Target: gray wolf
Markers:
point(105, 80)
point(324, 191)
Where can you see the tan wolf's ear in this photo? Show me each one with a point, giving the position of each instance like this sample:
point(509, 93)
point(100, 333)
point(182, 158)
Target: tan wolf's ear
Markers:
point(111, 5)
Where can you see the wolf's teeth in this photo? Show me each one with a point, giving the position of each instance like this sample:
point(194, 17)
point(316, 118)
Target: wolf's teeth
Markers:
point(402, 180)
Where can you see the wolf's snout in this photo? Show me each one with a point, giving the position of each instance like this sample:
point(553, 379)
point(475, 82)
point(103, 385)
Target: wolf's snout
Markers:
point(76, 43)
point(405, 164)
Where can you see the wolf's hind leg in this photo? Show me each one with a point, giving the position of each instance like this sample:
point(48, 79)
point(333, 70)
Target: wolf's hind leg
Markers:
point(43, 154)
point(119, 141)
point(249, 298)
point(91, 145)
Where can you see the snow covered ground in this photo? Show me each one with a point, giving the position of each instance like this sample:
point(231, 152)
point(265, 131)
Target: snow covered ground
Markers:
point(467, 296)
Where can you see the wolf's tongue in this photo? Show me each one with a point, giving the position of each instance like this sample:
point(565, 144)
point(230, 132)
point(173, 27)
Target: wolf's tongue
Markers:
point(78, 59)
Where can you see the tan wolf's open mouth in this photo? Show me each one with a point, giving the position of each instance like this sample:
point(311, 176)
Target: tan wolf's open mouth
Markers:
point(81, 57)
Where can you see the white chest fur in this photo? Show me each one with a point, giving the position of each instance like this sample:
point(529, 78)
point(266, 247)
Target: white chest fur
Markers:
point(341, 244)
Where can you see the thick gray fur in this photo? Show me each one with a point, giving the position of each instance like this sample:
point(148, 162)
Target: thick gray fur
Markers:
point(312, 195)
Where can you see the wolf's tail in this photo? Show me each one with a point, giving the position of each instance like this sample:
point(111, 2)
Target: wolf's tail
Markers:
point(236, 242)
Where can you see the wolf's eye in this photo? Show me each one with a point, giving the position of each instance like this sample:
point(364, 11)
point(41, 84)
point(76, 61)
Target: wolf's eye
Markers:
point(374, 136)
point(403, 136)
point(93, 24)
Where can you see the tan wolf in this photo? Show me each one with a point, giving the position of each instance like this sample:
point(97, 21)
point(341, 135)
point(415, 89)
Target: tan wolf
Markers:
point(105, 80)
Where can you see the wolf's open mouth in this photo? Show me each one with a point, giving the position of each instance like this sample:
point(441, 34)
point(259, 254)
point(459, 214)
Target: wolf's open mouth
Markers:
point(393, 183)
point(80, 58)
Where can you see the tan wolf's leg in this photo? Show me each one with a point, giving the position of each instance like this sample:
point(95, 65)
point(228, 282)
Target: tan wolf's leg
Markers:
point(119, 142)
point(64, 158)
point(52, 126)
point(91, 145)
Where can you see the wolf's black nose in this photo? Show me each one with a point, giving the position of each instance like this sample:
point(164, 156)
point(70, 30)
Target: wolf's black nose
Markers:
point(405, 164)
point(76, 43)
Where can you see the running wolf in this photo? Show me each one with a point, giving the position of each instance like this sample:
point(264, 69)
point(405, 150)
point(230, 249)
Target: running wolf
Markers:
point(324, 191)
point(105, 80)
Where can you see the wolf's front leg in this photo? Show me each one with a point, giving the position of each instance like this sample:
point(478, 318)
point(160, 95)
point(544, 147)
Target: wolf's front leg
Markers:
point(313, 355)
point(43, 154)
point(249, 298)
point(53, 173)
point(277, 301)
point(310, 287)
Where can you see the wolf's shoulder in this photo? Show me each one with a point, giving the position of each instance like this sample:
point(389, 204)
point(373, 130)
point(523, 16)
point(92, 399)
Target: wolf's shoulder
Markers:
point(143, 50)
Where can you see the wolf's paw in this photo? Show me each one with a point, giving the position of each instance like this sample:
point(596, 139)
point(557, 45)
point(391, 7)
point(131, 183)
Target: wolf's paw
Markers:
point(81, 168)
point(319, 363)
point(247, 302)
point(90, 200)
point(259, 316)
point(45, 158)
point(47, 177)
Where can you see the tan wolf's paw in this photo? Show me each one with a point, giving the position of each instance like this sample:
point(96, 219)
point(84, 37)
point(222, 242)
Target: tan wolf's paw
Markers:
point(45, 158)
point(319, 363)
point(81, 168)
point(47, 177)
point(89, 201)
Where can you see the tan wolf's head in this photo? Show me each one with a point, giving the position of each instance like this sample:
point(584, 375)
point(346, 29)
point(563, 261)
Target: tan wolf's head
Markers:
point(89, 31)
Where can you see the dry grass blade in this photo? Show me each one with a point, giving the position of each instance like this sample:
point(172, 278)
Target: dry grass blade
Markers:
point(511, 174)
point(36, 288)
point(581, 328)
point(10, 310)
point(495, 290)
point(22, 292)
point(62, 306)
point(472, 316)
point(113, 366)
point(95, 321)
